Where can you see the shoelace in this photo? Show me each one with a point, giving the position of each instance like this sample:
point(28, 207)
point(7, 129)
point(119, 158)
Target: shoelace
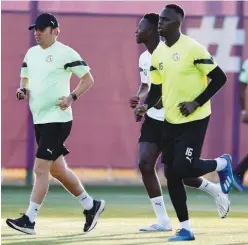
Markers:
point(87, 215)
point(21, 218)
point(178, 231)
point(22, 215)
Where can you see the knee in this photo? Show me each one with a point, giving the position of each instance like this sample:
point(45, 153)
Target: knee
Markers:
point(40, 172)
point(54, 173)
point(169, 174)
point(59, 168)
point(41, 168)
point(180, 172)
point(58, 173)
point(146, 165)
point(181, 166)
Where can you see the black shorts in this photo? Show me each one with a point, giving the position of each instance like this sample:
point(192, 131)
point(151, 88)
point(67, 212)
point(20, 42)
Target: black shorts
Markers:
point(182, 143)
point(152, 131)
point(50, 138)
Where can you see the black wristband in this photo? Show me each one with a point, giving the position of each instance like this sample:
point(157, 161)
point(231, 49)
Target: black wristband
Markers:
point(74, 96)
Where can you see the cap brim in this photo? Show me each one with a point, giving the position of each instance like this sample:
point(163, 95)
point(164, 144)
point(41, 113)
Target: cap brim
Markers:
point(37, 26)
point(31, 27)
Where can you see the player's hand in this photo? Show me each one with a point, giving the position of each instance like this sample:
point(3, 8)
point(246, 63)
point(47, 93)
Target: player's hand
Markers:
point(244, 116)
point(187, 108)
point(64, 102)
point(140, 111)
point(21, 93)
point(134, 101)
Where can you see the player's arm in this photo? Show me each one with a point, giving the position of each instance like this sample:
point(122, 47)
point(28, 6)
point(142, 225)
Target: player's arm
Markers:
point(155, 92)
point(152, 99)
point(207, 66)
point(203, 61)
point(144, 79)
point(243, 77)
point(84, 84)
point(141, 94)
point(218, 80)
point(24, 82)
point(76, 65)
point(153, 96)
point(142, 91)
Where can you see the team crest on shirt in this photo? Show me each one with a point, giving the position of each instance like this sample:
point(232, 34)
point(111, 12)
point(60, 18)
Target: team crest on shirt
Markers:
point(49, 58)
point(176, 56)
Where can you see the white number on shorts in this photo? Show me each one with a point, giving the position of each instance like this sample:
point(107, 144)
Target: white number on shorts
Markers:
point(189, 152)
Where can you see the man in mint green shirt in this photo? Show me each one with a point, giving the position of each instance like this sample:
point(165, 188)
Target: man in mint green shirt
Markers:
point(45, 76)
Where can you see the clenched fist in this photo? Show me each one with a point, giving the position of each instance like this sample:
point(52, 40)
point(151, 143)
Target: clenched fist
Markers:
point(21, 93)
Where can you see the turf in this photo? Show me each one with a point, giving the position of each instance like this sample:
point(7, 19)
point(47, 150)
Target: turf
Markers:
point(61, 221)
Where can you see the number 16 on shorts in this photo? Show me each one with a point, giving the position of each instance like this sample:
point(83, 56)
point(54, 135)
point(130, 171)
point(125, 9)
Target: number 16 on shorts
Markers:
point(189, 153)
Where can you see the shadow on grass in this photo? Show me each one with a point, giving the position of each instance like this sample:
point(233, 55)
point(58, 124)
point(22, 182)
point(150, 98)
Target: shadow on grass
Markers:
point(69, 239)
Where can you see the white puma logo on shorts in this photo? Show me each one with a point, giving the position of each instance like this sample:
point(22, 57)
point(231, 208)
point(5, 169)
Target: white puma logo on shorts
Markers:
point(50, 151)
point(190, 159)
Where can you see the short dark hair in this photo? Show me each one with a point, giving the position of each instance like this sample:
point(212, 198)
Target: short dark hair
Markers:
point(177, 8)
point(153, 18)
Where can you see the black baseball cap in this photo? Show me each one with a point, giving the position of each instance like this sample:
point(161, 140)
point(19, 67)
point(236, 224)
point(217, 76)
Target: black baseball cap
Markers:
point(45, 20)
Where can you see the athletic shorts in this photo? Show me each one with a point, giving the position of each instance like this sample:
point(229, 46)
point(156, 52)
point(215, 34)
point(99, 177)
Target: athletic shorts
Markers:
point(50, 138)
point(182, 143)
point(152, 131)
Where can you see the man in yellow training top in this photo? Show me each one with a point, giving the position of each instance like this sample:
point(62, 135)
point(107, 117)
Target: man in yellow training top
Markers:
point(180, 70)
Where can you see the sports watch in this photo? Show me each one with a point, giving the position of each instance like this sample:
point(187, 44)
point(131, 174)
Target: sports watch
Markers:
point(74, 96)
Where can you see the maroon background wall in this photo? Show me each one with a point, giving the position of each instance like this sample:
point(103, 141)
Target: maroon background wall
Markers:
point(104, 133)
point(14, 114)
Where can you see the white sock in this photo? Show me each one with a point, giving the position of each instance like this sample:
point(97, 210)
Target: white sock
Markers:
point(186, 225)
point(32, 211)
point(160, 210)
point(210, 187)
point(221, 163)
point(86, 200)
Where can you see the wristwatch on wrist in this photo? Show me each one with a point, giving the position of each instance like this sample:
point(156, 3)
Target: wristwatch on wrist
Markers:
point(74, 96)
